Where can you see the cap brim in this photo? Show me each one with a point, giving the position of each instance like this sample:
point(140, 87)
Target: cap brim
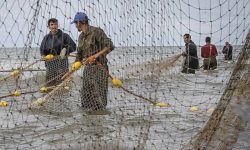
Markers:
point(72, 22)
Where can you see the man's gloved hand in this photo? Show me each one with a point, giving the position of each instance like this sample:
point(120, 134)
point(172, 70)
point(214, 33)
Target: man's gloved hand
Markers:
point(63, 53)
point(43, 57)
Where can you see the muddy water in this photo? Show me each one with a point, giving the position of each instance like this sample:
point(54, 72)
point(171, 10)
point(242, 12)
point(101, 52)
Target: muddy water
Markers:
point(129, 123)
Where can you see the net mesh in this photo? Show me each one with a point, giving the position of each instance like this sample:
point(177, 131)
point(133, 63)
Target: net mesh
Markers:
point(140, 99)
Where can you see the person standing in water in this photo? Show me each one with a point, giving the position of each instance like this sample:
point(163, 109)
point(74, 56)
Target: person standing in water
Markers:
point(93, 45)
point(191, 62)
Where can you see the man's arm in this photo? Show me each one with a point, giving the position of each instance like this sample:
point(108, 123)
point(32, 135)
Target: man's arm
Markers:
point(104, 42)
point(202, 52)
point(79, 55)
point(42, 46)
point(230, 49)
point(70, 44)
point(224, 50)
point(215, 50)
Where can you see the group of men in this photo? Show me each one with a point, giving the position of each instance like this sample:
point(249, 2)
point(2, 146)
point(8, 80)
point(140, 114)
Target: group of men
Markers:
point(208, 53)
point(93, 46)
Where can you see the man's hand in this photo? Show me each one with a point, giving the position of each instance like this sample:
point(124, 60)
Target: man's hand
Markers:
point(43, 57)
point(63, 52)
point(91, 59)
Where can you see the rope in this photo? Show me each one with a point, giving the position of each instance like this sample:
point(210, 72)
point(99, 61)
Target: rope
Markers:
point(66, 78)
point(17, 72)
point(10, 95)
point(125, 89)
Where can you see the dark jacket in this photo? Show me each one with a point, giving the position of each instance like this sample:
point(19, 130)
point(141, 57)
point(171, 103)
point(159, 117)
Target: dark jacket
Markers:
point(54, 44)
point(191, 60)
point(228, 52)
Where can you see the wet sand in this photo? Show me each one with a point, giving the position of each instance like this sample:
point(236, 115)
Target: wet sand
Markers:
point(233, 132)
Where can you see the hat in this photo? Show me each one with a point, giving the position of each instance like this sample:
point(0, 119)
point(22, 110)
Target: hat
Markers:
point(80, 16)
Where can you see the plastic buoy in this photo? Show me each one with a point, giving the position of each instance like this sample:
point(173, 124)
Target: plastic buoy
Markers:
point(117, 83)
point(162, 104)
point(76, 65)
point(44, 89)
point(194, 108)
point(210, 110)
point(17, 93)
point(66, 87)
point(15, 73)
point(49, 57)
point(3, 103)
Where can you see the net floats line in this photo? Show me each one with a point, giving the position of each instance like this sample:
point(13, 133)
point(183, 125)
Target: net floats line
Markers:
point(16, 72)
point(43, 89)
point(66, 78)
point(41, 101)
point(28, 70)
point(17, 93)
point(118, 83)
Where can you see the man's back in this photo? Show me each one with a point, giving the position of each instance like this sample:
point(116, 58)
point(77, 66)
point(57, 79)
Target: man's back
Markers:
point(208, 50)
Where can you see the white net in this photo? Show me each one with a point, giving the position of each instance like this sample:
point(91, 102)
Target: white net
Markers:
point(139, 99)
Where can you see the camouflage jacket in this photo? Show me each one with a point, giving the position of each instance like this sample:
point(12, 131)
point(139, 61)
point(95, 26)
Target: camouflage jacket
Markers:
point(93, 42)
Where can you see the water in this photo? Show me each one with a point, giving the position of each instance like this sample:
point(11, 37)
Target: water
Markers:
point(133, 122)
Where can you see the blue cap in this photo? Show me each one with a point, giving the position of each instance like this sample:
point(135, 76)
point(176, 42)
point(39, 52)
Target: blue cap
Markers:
point(80, 16)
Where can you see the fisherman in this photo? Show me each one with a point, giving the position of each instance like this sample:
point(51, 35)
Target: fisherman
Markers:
point(56, 43)
point(227, 51)
point(209, 53)
point(93, 45)
point(191, 59)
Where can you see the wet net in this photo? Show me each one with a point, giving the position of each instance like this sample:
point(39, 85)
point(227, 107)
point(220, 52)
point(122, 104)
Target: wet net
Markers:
point(139, 99)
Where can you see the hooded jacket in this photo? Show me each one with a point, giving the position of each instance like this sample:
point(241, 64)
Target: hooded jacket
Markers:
point(53, 44)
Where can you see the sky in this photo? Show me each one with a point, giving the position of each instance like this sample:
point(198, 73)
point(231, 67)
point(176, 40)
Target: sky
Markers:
point(128, 23)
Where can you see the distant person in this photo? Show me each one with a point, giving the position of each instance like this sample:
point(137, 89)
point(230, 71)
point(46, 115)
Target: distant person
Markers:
point(191, 59)
point(228, 51)
point(93, 45)
point(209, 53)
point(59, 44)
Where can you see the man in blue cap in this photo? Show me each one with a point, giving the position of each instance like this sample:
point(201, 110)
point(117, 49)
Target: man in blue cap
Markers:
point(93, 45)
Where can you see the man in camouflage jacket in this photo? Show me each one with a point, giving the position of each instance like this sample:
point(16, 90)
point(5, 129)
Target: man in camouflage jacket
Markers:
point(93, 45)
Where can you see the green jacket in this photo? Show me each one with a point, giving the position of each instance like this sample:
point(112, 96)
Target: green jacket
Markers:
point(93, 42)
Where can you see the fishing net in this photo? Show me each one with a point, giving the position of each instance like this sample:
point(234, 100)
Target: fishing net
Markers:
point(139, 99)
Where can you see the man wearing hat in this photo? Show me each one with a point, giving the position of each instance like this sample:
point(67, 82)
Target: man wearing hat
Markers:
point(93, 45)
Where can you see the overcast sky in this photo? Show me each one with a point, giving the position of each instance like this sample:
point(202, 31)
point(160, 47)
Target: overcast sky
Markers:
point(130, 22)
